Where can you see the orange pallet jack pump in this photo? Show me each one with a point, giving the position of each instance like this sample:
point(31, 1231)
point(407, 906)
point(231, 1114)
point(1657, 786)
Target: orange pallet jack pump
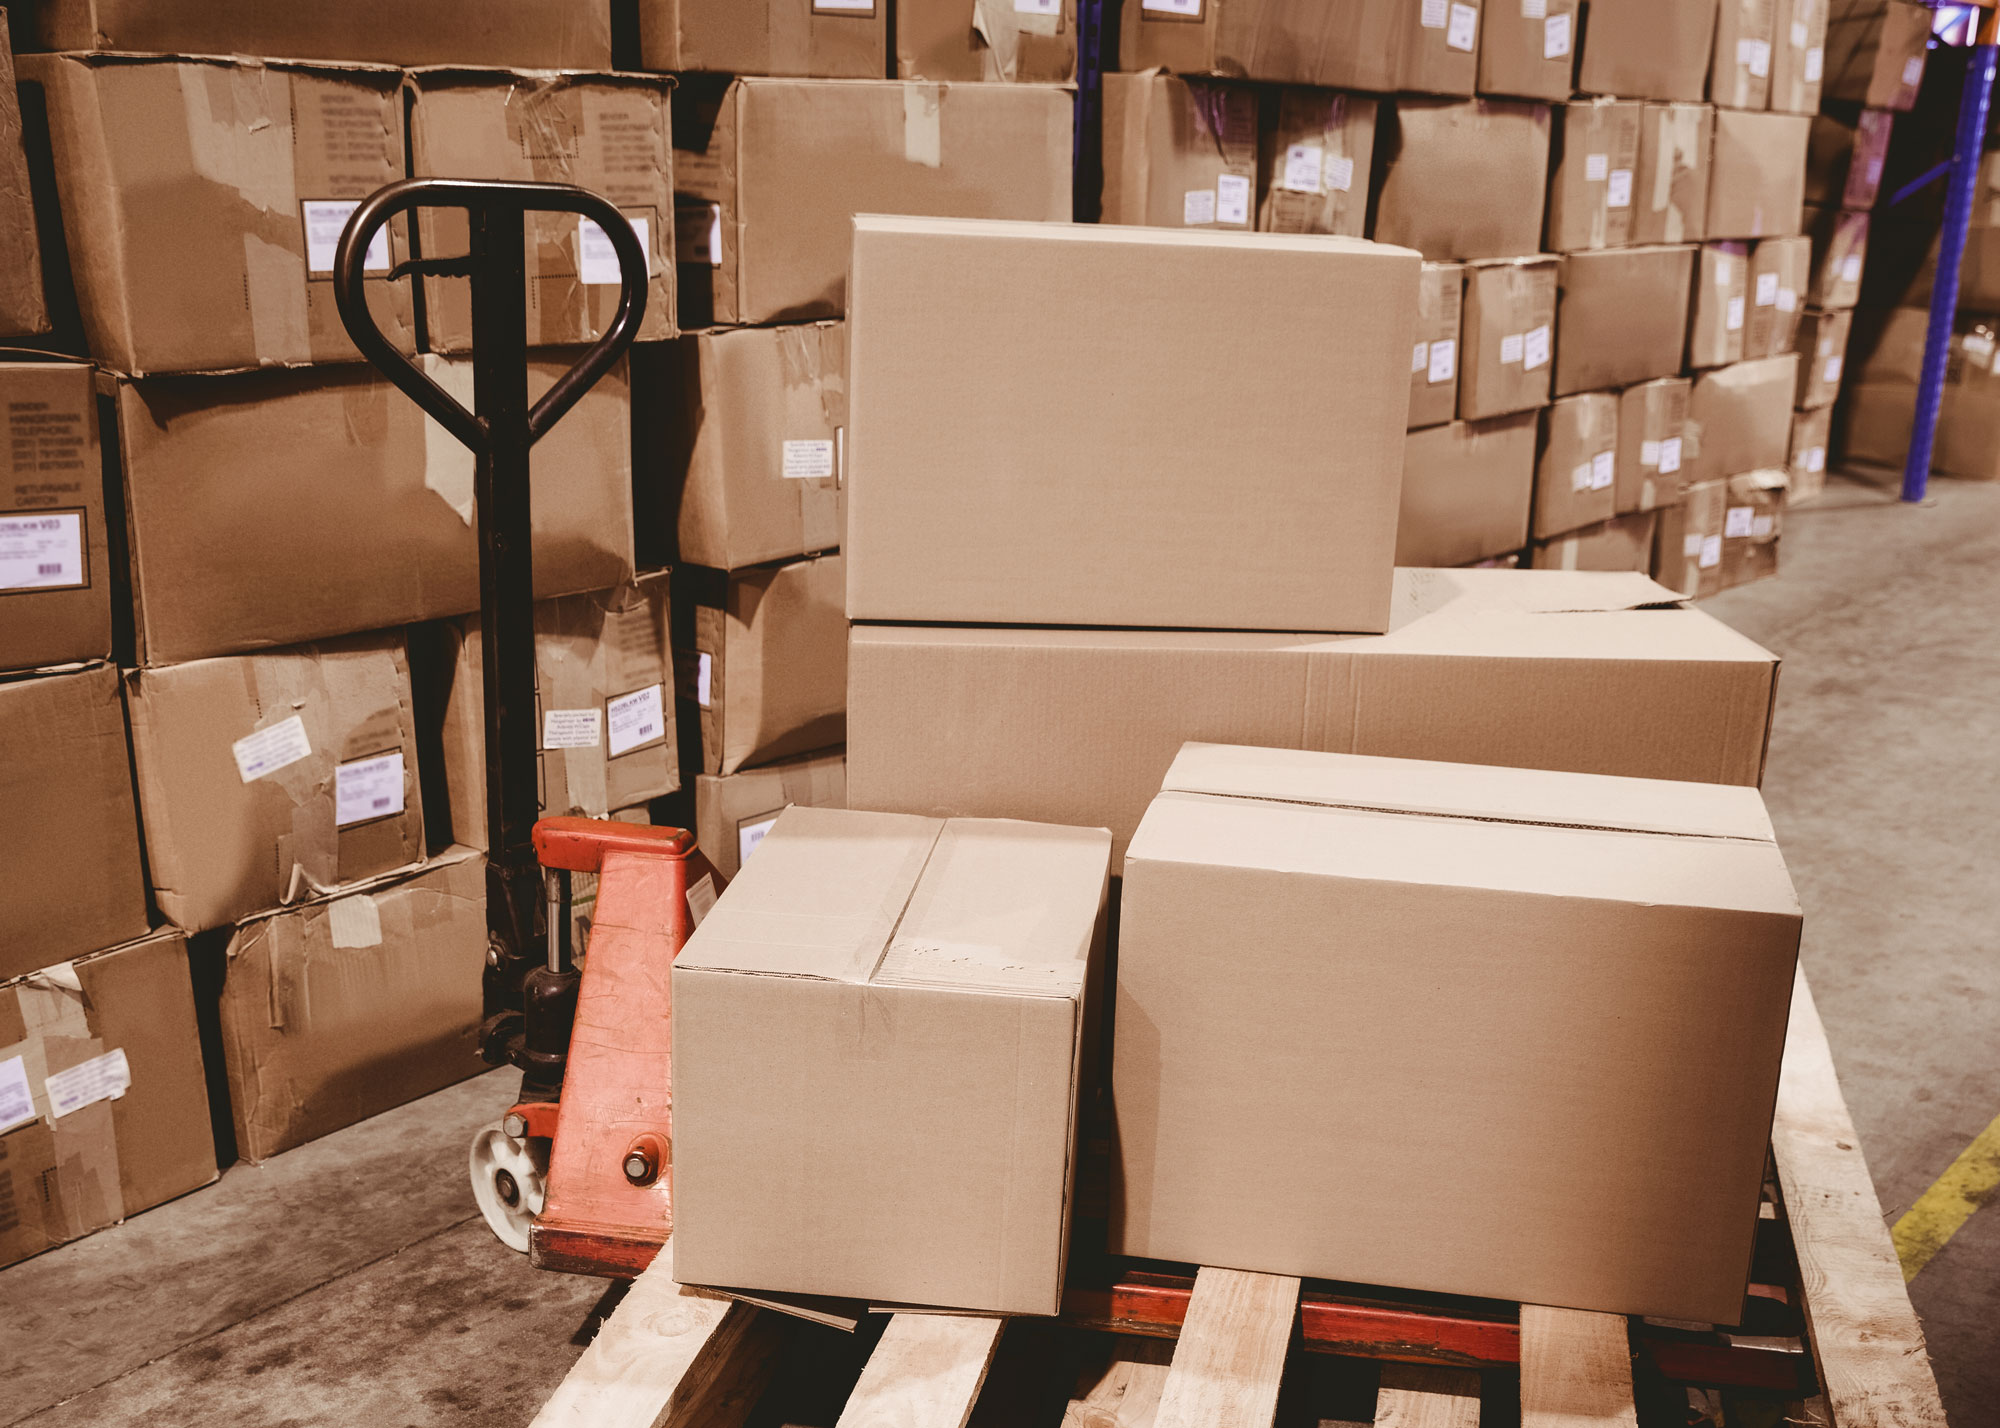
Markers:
point(577, 1173)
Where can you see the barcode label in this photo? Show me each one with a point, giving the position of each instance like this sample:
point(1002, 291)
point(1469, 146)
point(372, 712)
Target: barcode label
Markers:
point(636, 719)
point(323, 219)
point(42, 552)
point(367, 789)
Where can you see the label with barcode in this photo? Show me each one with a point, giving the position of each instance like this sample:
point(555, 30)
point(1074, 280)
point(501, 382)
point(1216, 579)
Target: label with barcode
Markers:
point(1670, 455)
point(1304, 168)
point(1463, 31)
point(268, 750)
point(1555, 37)
point(1232, 198)
point(1711, 552)
point(1760, 58)
point(1444, 360)
point(1183, 9)
point(1535, 347)
point(323, 219)
point(1603, 469)
point(1733, 318)
point(367, 789)
point(1618, 189)
point(42, 551)
point(572, 728)
point(636, 719)
point(597, 260)
point(1767, 289)
point(1038, 7)
point(17, 1098)
point(749, 835)
point(808, 460)
point(1736, 524)
point(701, 898)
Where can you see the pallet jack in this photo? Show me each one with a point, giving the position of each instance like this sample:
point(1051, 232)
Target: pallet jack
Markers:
point(577, 1173)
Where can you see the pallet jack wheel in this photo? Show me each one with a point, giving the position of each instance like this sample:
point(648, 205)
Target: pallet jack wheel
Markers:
point(509, 1177)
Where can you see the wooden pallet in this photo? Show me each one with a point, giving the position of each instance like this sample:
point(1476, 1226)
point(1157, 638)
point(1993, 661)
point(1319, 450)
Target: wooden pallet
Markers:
point(1214, 1353)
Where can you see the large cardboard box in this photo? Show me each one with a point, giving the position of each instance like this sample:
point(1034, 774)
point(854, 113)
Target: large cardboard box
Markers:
point(1434, 356)
point(70, 875)
point(1261, 496)
point(1811, 432)
point(1352, 44)
point(1621, 316)
point(346, 1006)
point(267, 778)
point(1644, 49)
point(1875, 52)
point(1576, 472)
point(24, 310)
point(1780, 272)
point(108, 1111)
point(924, 993)
point(1463, 178)
point(1720, 311)
point(1621, 543)
point(55, 576)
point(1534, 669)
point(1822, 348)
point(760, 661)
point(1525, 965)
point(1529, 51)
point(279, 507)
point(1687, 554)
point(1672, 201)
point(1652, 425)
point(1740, 77)
point(1595, 155)
point(604, 708)
point(1179, 153)
point(825, 39)
point(1467, 487)
point(790, 162)
point(607, 133)
point(1798, 56)
point(1758, 177)
point(202, 200)
point(1844, 157)
point(1440, 48)
point(1840, 247)
point(967, 40)
point(1510, 319)
point(734, 812)
point(1740, 417)
point(1318, 150)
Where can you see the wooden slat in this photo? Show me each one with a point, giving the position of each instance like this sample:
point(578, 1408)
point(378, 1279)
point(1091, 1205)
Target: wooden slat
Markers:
point(1576, 1369)
point(1124, 1390)
point(1865, 1336)
point(1415, 1396)
point(925, 1373)
point(1231, 1353)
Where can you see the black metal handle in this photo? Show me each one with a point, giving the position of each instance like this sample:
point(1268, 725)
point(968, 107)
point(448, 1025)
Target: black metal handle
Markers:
point(489, 195)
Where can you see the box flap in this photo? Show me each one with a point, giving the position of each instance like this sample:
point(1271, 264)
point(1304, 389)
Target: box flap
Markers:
point(1112, 233)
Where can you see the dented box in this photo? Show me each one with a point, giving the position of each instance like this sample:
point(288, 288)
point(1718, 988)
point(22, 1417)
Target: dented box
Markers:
point(1576, 473)
point(1757, 180)
point(1652, 427)
point(1621, 316)
point(1180, 153)
point(1671, 205)
point(824, 39)
point(1595, 156)
point(733, 812)
point(1434, 356)
point(1779, 275)
point(1529, 51)
point(1033, 43)
point(1463, 178)
point(1721, 307)
point(1355, 44)
point(1509, 341)
point(1740, 417)
point(1647, 49)
point(1318, 149)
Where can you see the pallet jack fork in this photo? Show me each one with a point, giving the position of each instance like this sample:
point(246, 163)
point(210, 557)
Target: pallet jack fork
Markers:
point(577, 1173)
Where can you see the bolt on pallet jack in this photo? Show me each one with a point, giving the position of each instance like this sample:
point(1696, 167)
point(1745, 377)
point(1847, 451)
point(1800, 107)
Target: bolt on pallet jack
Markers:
point(577, 1173)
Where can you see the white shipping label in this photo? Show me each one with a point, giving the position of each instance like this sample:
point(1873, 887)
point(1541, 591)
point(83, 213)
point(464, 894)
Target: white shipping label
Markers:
point(1535, 348)
point(1444, 360)
point(636, 718)
point(1038, 7)
point(1799, 35)
point(1579, 476)
point(1534, 9)
point(102, 1078)
point(17, 1101)
point(1464, 30)
point(1733, 318)
point(1913, 70)
point(367, 789)
point(1815, 64)
point(860, 7)
point(1816, 459)
point(268, 750)
point(1649, 453)
point(1339, 173)
point(1850, 268)
point(808, 460)
point(1788, 299)
point(1736, 524)
point(1232, 198)
point(704, 668)
point(1767, 289)
point(42, 552)
point(1603, 470)
point(572, 728)
point(701, 898)
point(1420, 358)
point(1198, 207)
point(1305, 164)
point(324, 218)
point(1691, 546)
point(1510, 348)
point(1618, 189)
point(1670, 456)
point(749, 835)
point(1711, 552)
point(1555, 37)
point(1596, 166)
point(1762, 527)
point(1434, 14)
point(1832, 377)
point(597, 260)
point(1760, 58)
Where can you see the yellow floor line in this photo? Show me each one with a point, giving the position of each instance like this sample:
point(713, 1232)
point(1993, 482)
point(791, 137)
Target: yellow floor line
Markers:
point(1940, 1210)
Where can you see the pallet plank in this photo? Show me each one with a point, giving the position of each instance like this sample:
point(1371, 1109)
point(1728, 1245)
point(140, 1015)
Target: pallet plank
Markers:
point(925, 1373)
point(1576, 1369)
point(1231, 1354)
point(1864, 1333)
point(1124, 1391)
point(1414, 1396)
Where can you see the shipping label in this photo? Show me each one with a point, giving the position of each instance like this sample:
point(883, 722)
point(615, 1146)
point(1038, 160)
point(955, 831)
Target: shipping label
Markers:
point(1420, 358)
point(750, 833)
point(1596, 167)
point(323, 219)
point(1463, 32)
point(1736, 524)
point(572, 728)
point(1444, 360)
point(1555, 37)
point(1767, 289)
point(1198, 207)
point(1711, 552)
point(268, 750)
point(1618, 189)
point(1170, 9)
point(1649, 453)
point(1232, 199)
point(102, 1078)
point(1733, 318)
point(636, 719)
point(1670, 455)
point(808, 460)
point(1603, 469)
point(1339, 173)
point(42, 550)
point(1535, 348)
point(1305, 168)
point(17, 1100)
point(367, 789)
point(597, 260)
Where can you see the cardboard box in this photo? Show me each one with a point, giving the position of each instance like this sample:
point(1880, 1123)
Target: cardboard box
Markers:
point(1844, 157)
point(965, 40)
point(760, 659)
point(1590, 190)
point(1798, 56)
point(604, 705)
point(1652, 425)
point(1672, 201)
point(1811, 434)
point(1463, 178)
point(1434, 357)
point(1471, 1086)
point(347, 1006)
point(1875, 52)
point(1467, 487)
point(70, 876)
point(1318, 147)
point(1740, 417)
point(1576, 470)
point(607, 133)
point(1780, 273)
point(1510, 318)
point(1740, 76)
point(754, 423)
point(824, 40)
point(1840, 247)
point(1621, 316)
point(1529, 55)
point(1621, 543)
point(104, 1051)
point(1687, 555)
point(1534, 669)
point(202, 200)
point(1822, 348)
point(1179, 153)
point(24, 310)
point(1643, 49)
point(924, 992)
point(1357, 44)
point(1720, 310)
point(1261, 496)
point(789, 162)
point(734, 812)
point(1758, 177)
point(1440, 53)
point(279, 507)
point(1968, 437)
point(1752, 525)
point(55, 576)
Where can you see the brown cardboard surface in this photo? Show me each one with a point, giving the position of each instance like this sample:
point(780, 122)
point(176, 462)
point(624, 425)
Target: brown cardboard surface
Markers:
point(1643, 49)
point(1745, 36)
point(1466, 491)
point(1621, 543)
point(1798, 55)
point(1758, 177)
point(1621, 316)
point(273, 508)
point(792, 161)
point(978, 39)
point(1463, 178)
point(1740, 417)
point(1652, 427)
point(70, 876)
point(1968, 439)
point(1720, 310)
point(1356, 44)
point(607, 133)
point(1260, 496)
point(125, 1014)
point(1780, 273)
point(1752, 524)
point(1529, 55)
point(1811, 433)
point(760, 660)
point(778, 37)
point(1822, 348)
point(199, 198)
point(1180, 153)
point(1671, 202)
point(1440, 49)
point(1875, 52)
point(346, 1006)
point(1509, 341)
point(1687, 554)
point(1434, 355)
point(1840, 248)
point(924, 992)
point(1844, 157)
point(734, 812)
point(1535, 669)
point(1318, 148)
point(23, 308)
point(1594, 159)
point(237, 824)
point(55, 575)
point(1576, 469)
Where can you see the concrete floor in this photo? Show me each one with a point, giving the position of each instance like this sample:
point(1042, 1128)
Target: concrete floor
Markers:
point(350, 1281)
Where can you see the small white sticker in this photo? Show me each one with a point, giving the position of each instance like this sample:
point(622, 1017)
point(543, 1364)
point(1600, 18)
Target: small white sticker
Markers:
point(1691, 546)
point(1603, 469)
point(635, 719)
point(1535, 348)
point(1733, 318)
point(1649, 453)
point(1596, 166)
point(572, 728)
point(1788, 299)
point(1850, 268)
point(1799, 34)
point(1711, 552)
point(1534, 9)
point(1340, 173)
point(1464, 31)
point(1767, 289)
point(1762, 527)
point(597, 260)
point(1913, 70)
point(1670, 456)
point(324, 218)
point(701, 897)
point(42, 552)
point(1189, 9)
point(1420, 357)
point(1444, 360)
point(1815, 64)
point(1232, 199)
point(861, 7)
point(808, 460)
point(1555, 37)
point(367, 789)
point(1510, 348)
point(1038, 7)
point(1304, 167)
point(17, 1101)
point(704, 667)
point(749, 835)
point(1832, 371)
point(1875, 170)
point(1736, 524)
point(1722, 270)
point(1579, 476)
point(1198, 207)
point(102, 1078)
point(698, 233)
point(1618, 189)
point(1816, 459)
point(1434, 14)
point(1760, 58)
point(268, 750)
